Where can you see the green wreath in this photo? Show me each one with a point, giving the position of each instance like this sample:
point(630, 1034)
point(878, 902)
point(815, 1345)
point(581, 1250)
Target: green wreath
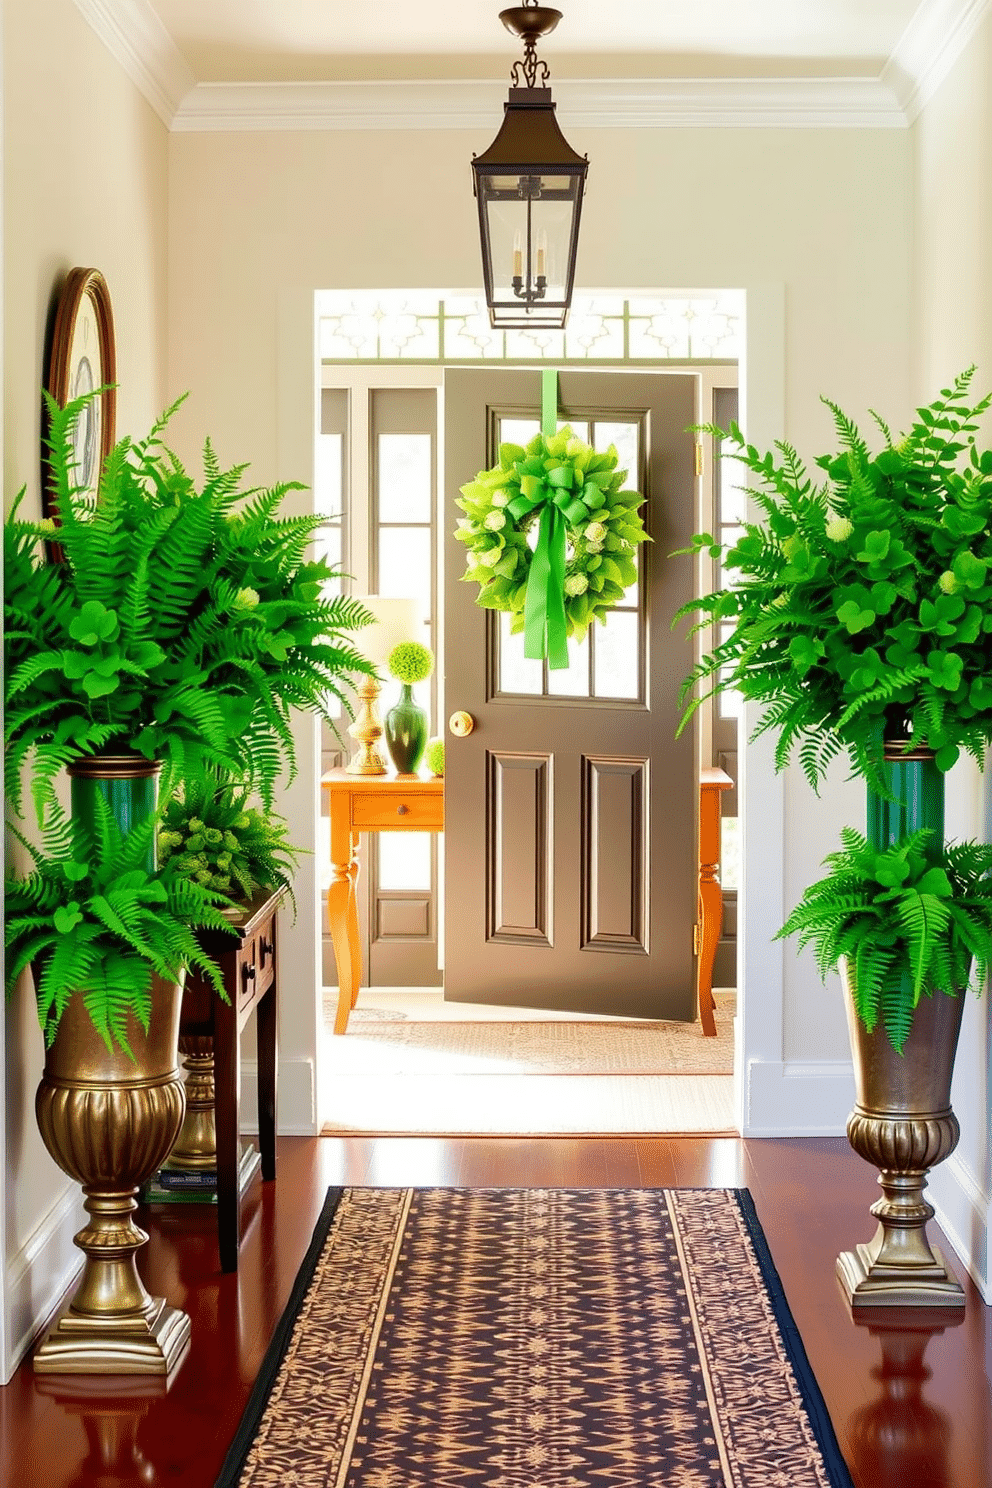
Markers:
point(583, 561)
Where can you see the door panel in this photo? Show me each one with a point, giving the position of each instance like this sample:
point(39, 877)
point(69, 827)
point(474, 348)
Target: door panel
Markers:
point(615, 855)
point(570, 810)
point(519, 890)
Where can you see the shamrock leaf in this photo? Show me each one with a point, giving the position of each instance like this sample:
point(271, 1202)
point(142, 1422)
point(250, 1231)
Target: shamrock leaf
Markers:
point(75, 664)
point(93, 624)
point(891, 870)
point(935, 882)
point(939, 617)
point(876, 547)
point(854, 618)
point(147, 654)
point(883, 597)
point(870, 671)
point(75, 872)
point(96, 686)
point(945, 668)
point(969, 570)
point(67, 916)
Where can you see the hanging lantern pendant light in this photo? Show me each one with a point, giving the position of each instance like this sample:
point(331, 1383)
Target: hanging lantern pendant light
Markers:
point(529, 186)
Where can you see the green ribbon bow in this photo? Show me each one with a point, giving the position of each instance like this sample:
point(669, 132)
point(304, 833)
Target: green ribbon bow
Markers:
point(564, 498)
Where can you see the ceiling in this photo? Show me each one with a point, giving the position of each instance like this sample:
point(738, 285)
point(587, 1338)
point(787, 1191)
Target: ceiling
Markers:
point(327, 40)
point(642, 64)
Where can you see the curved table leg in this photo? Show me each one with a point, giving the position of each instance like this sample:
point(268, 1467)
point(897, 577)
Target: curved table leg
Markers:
point(342, 913)
point(710, 918)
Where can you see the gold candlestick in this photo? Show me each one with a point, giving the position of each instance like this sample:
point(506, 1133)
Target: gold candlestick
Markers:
point(367, 729)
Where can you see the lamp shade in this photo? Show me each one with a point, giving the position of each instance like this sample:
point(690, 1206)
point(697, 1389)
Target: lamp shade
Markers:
point(396, 620)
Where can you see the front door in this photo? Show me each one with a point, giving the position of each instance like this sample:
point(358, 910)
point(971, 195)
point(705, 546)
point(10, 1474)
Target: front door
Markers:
point(570, 809)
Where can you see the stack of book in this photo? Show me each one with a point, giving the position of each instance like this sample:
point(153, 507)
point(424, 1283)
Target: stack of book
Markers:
point(198, 1185)
point(171, 1185)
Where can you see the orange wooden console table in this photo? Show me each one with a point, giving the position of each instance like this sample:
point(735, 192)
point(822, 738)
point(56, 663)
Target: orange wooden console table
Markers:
point(367, 803)
point(711, 784)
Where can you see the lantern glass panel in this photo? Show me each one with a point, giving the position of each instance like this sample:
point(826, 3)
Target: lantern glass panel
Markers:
point(530, 223)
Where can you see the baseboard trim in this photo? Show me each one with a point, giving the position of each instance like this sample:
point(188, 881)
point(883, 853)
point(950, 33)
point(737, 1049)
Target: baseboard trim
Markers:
point(39, 1274)
point(964, 1213)
point(797, 1098)
point(296, 1105)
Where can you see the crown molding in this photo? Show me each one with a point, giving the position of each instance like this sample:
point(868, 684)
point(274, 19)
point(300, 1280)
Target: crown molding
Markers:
point(931, 44)
point(928, 48)
point(615, 103)
point(135, 36)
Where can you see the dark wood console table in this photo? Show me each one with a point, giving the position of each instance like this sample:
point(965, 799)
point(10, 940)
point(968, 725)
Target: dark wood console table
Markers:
point(247, 961)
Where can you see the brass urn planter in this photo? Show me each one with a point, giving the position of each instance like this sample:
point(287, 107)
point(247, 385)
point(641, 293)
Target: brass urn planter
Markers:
point(109, 1121)
point(903, 1124)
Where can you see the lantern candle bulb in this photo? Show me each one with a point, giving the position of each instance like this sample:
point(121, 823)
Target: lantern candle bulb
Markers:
point(518, 258)
point(542, 249)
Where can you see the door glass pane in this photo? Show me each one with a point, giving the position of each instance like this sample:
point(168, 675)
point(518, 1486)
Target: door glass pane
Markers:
point(327, 544)
point(405, 564)
point(404, 471)
point(573, 680)
point(517, 673)
point(404, 860)
point(518, 430)
point(327, 475)
point(731, 704)
point(733, 492)
point(626, 437)
point(618, 655)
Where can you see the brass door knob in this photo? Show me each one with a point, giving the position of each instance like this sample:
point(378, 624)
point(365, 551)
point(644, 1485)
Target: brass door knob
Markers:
point(461, 724)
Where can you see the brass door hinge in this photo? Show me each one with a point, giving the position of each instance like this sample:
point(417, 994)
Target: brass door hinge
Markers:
point(695, 940)
point(699, 459)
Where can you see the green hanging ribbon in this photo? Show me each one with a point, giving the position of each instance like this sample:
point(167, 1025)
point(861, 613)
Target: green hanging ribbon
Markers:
point(549, 484)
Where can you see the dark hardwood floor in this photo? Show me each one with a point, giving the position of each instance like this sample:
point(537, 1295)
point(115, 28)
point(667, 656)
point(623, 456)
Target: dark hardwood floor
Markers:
point(904, 1419)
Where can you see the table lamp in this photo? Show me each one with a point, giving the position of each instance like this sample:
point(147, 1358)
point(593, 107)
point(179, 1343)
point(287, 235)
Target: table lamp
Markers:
point(396, 620)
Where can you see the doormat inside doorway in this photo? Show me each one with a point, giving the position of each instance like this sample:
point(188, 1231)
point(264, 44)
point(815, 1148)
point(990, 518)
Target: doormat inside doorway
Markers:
point(538, 1337)
point(429, 1077)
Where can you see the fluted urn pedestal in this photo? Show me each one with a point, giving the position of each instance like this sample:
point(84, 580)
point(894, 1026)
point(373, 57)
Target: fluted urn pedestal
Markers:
point(903, 1124)
point(195, 1149)
point(109, 1121)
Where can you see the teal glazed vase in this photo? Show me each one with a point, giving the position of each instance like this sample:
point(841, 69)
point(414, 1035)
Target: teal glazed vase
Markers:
point(406, 732)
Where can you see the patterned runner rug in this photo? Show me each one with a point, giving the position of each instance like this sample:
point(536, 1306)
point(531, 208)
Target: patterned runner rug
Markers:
point(536, 1338)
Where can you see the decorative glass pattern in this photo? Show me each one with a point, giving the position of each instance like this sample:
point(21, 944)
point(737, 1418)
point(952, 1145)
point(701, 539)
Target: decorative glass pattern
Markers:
point(429, 326)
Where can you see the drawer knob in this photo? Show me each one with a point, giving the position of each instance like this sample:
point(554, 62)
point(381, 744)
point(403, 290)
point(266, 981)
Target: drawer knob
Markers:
point(402, 810)
point(267, 948)
point(247, 974)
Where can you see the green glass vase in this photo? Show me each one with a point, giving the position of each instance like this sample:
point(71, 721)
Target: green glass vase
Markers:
point(406, 732)
point(917, 790)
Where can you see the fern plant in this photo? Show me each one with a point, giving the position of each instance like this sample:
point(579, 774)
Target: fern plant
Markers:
point(861, 607)
point(185, 624)
point(913, 920)
point(92, 921)
point(211, 834)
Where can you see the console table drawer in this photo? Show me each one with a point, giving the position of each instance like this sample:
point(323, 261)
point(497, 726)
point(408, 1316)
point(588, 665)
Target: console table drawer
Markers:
point(396, 811)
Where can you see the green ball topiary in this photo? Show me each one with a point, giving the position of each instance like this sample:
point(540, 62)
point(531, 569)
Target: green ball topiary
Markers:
point(434, 756)
point(410, 662)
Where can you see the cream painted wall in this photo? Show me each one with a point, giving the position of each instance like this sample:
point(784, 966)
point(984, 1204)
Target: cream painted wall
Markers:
point(85, 183)
point(826, 214)
point(953, 235)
